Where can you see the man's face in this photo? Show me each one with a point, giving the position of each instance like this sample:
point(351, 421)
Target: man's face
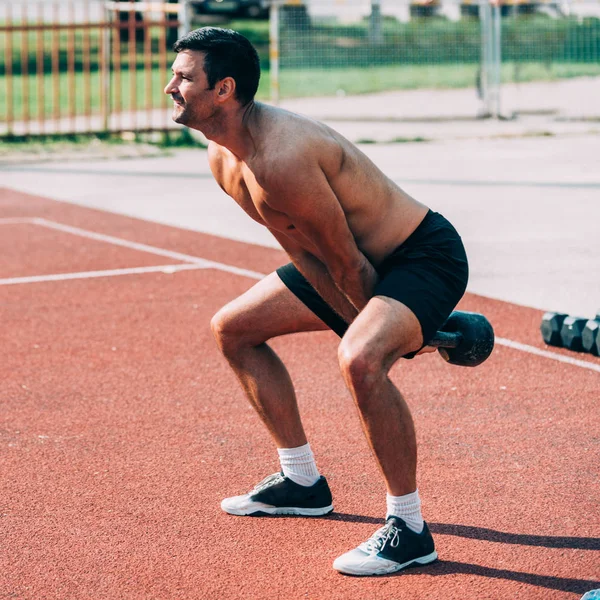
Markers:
point(192, 100)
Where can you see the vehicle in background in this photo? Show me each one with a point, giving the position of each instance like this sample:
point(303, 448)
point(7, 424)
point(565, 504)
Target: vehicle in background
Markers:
point(250, 9)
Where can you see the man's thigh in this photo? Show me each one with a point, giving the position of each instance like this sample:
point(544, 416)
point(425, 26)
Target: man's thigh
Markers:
point(384, 331)
point(267, 310)
point(428, 274)
point(429, 295)
point(306, 293)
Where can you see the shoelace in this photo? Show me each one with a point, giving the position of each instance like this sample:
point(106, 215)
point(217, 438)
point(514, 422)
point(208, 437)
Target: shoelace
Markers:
point(268, 482)
point(380, 538)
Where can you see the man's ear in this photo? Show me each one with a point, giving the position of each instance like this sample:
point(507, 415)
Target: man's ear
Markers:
point(226, 89)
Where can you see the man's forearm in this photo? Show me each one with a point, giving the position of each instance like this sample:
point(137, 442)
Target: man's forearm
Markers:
point(320, 278)
point(357, 283)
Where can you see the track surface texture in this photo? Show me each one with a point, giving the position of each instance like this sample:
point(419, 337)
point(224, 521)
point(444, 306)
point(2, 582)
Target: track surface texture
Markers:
point(122, 428)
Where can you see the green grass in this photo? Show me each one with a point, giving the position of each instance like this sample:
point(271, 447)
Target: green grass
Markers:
point(295, 83)
point(66, 103)
point(299, 83)
point(329, 82)
point(524, 71)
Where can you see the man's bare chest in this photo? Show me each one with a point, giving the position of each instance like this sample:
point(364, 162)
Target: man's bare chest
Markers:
point(242, 185)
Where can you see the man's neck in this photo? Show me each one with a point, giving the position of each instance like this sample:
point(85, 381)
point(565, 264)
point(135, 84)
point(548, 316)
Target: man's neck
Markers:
point(234, 131)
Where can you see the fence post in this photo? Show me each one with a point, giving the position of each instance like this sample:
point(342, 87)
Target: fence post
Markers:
point(185, 17)
point(491, 59)
point(105, 75)
point(8, 59)
point(375, 24)
point(274, 51)
point(497, 58)
point(484, 68)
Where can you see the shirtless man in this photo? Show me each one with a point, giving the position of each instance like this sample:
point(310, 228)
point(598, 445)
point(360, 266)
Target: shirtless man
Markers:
point(367, 260)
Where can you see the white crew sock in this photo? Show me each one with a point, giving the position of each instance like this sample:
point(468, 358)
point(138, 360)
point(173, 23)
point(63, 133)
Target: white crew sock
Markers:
point(298, 464)
point(408, 508)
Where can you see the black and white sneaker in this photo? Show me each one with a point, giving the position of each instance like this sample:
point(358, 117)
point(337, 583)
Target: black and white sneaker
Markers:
point(391, 548)
point(279, 495)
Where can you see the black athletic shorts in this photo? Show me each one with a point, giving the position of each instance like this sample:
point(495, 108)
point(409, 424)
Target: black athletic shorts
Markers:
point(428, 273)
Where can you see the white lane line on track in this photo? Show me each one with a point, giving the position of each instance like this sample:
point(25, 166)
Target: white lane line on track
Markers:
point(547, 354)
point(168, 269)
point(100, 237)
point(17, 220)
point(201, 263)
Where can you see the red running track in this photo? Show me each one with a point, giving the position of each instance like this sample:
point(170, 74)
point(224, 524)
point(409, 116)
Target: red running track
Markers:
point(122, 429)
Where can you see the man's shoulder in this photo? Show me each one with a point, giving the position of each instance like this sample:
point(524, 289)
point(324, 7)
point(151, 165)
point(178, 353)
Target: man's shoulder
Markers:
point(295, 145)
point(218, 157)
point(217, 163)
point(296, 133)
point(215, 152)
point(285, 163)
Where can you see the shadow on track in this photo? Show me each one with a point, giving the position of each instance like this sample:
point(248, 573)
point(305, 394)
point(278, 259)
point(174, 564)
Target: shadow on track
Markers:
point(491, 535)
point(441, 567)
point(488, 535)
point(564, 584)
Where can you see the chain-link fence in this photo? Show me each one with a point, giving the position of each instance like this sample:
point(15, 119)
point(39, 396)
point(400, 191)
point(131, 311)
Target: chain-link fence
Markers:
point(558, 46)
point(344, 47)
point(94, 65)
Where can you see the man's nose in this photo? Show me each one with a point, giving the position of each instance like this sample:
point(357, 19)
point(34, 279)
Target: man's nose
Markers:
point(170, 87)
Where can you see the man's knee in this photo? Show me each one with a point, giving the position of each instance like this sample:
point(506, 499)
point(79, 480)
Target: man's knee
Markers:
point(219, 326)
point(236, 328)
point(364, 363)
point(230, 330)
point(361, 364)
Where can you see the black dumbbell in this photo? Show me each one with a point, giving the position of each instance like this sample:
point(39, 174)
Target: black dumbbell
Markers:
point(550, 327)
point(465, 339)
point(590, 336)
point(570, 333)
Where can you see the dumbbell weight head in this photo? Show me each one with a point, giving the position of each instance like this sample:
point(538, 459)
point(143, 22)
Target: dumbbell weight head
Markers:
point(590, 336)
point(550, 327)
point(474, 339)
point(570, 333)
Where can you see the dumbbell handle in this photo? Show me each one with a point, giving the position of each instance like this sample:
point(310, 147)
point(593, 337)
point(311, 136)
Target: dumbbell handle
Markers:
point(465, 339)
point(444, 339)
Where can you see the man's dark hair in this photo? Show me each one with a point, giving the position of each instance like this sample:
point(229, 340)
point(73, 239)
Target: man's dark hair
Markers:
point(227, 54)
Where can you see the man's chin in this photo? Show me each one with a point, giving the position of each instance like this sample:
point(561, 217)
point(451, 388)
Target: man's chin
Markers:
point(178, 116)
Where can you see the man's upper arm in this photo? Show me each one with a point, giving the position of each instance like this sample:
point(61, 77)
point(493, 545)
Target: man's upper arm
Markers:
point(291, 247)
point(215, 162)
point(304, 195)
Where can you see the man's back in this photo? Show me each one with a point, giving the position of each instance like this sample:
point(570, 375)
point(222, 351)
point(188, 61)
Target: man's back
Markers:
point(296, 155)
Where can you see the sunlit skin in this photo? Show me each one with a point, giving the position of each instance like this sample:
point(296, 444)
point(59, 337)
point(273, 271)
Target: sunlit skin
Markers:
point(221, 118)
point(215, 112)
point(337, 216)
point(188, 88)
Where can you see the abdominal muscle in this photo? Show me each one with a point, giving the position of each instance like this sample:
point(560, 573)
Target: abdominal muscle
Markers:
point(377, 230)
point(381, 216)
point(392, 230)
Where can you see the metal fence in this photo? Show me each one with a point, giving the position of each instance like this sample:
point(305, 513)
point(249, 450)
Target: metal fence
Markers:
point(76, 66)
point(81, 66)
point(347, 47)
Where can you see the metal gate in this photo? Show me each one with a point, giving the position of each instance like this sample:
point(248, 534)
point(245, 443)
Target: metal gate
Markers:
point(84, 66)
